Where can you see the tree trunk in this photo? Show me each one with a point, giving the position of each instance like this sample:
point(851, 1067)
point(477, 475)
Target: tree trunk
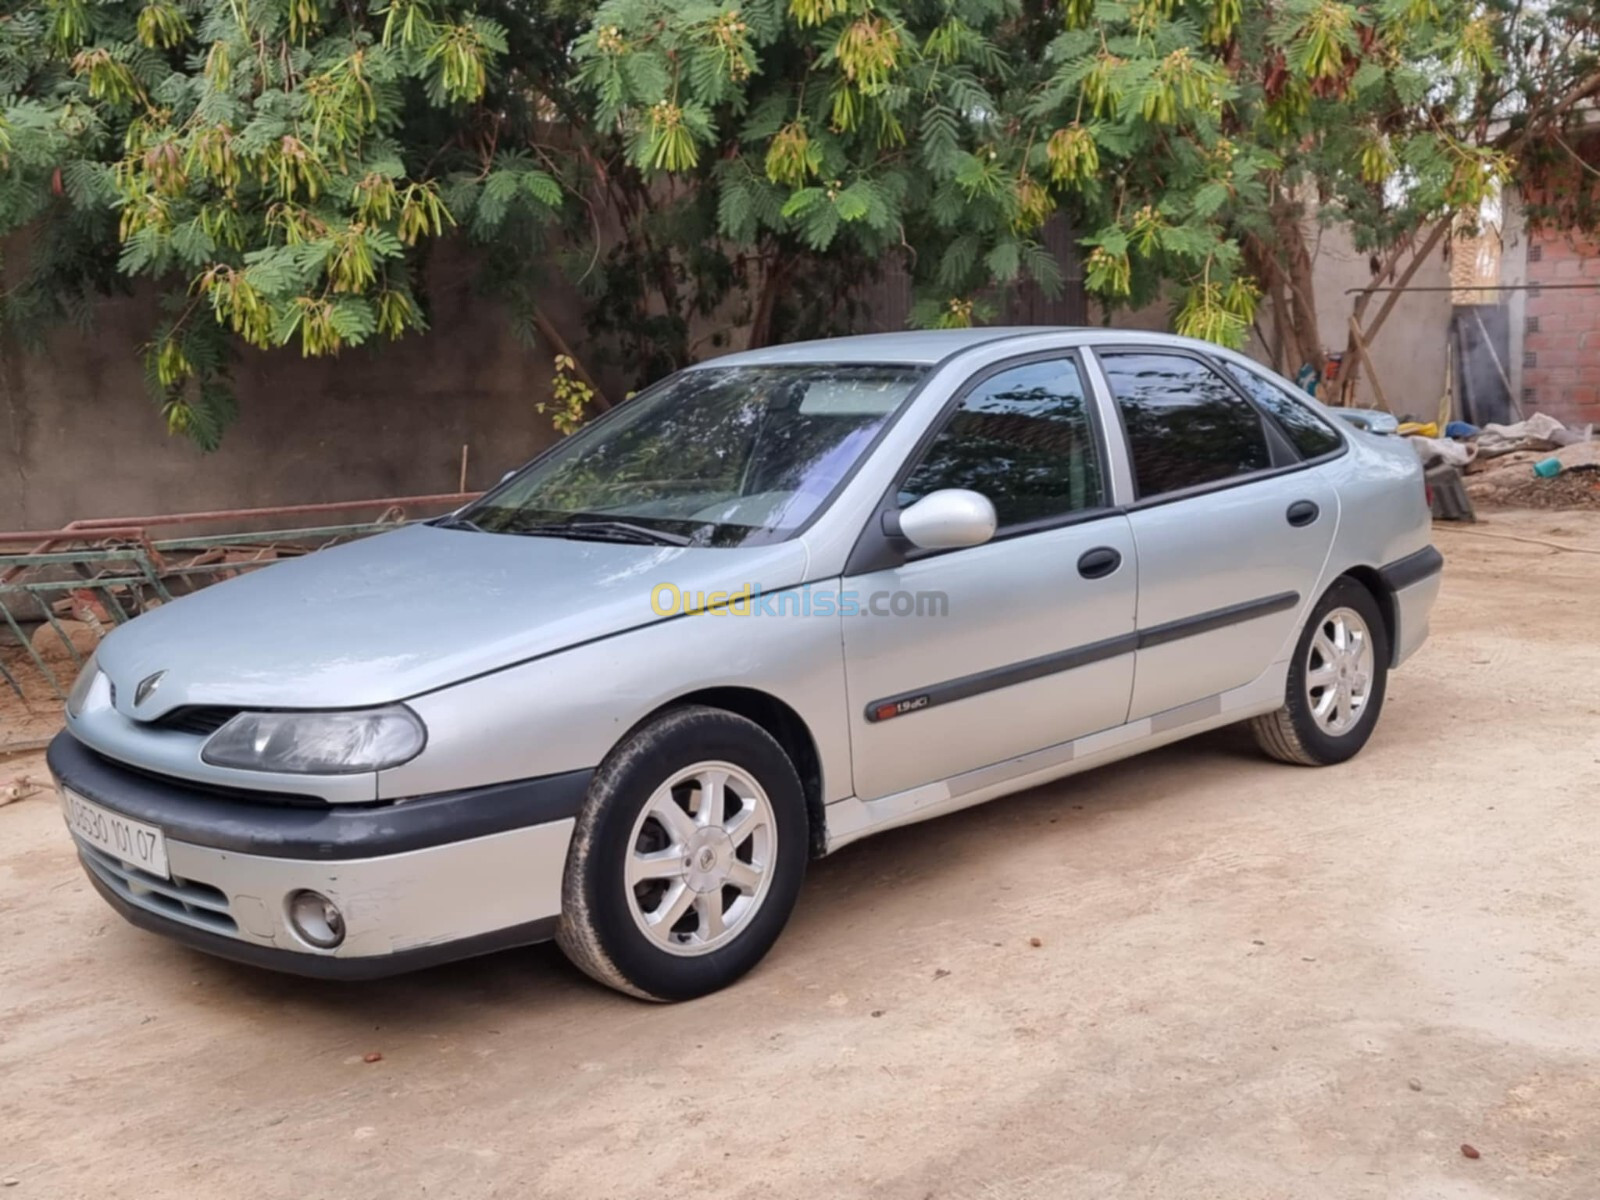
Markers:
point(1286, 353)
point(774, 277)
point(1294, 262)
point(1283, 266)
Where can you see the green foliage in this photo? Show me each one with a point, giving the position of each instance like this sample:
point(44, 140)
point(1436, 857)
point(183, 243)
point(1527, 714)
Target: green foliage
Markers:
point(1537, 61)
point(1173, 133)
point(569, 397)
point(715, 170)
point(849, 129)
point(271, 165)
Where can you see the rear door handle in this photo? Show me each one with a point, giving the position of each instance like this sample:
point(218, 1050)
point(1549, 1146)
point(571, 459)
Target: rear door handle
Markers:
point(1099, 562)
point(1302, 512)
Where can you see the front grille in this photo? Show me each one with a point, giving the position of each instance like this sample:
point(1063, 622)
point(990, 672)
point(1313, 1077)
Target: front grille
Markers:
point(196, 904)
point(198, 718)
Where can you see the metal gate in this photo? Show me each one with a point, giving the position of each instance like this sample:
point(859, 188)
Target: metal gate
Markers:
point(62, 590)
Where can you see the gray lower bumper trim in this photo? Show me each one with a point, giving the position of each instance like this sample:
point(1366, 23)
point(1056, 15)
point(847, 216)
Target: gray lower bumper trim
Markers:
point(189, 813)
point(324, 966)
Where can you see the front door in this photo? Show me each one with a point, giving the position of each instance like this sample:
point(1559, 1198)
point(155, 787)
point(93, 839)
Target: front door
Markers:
point(1004, 648)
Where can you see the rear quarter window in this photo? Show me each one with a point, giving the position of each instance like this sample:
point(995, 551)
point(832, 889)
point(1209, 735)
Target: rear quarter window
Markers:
point(1311, 435)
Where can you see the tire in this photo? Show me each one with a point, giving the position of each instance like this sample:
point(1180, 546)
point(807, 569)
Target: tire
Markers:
point(747, 877)
point(1298, 732)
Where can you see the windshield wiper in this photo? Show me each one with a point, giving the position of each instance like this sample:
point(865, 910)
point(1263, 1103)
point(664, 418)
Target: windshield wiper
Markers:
point(605, 530)
point(452, 521)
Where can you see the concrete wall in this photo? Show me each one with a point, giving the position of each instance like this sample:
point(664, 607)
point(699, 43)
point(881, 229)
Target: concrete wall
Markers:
point(80, 437)
point(1514, 274)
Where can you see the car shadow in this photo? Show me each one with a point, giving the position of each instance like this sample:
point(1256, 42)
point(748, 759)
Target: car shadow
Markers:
point(535, 979)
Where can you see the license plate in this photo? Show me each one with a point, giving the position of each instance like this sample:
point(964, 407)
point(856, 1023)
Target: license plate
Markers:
point(135, 843)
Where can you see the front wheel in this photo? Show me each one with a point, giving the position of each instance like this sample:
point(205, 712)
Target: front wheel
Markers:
point(687, 858)
point(1336, 682)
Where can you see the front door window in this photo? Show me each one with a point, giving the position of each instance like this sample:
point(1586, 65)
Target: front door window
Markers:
point(1023, 438)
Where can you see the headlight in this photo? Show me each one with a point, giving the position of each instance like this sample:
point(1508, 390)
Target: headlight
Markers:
point(81, 687)
point(318, 743)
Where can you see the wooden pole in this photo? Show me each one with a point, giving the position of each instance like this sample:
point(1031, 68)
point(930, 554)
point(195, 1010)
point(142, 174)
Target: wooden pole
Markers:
point(1360, 344)
point(1405, 278)
point(1393, 297)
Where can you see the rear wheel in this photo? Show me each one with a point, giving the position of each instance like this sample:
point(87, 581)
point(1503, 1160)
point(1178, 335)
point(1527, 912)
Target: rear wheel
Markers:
point(1336, 682)
point(687, 858)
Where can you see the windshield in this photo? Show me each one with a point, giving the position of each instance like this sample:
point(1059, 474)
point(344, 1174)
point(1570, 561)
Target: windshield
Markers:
point(719, 456)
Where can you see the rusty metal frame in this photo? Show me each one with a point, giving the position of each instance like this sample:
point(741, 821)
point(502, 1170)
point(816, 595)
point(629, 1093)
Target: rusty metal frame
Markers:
point(114, 564)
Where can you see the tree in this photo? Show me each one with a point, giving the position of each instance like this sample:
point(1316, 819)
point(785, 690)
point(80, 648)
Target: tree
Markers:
point(1185, 137)
point(274, 163)
point(722, 171)
point(1530, 81)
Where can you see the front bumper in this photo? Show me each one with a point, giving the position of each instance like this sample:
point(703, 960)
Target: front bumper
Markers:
point(419, 881)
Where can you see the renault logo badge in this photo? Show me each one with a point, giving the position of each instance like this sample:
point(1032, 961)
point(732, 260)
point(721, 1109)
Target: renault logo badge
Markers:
point(147, 688)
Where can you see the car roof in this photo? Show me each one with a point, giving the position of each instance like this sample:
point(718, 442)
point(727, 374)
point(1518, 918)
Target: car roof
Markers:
point(929, 346)
point(911, 346)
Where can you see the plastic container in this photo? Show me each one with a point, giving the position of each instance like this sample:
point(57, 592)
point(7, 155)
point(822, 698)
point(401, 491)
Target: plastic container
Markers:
point(1547, 468)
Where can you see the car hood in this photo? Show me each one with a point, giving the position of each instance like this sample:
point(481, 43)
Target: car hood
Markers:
point(406, 612)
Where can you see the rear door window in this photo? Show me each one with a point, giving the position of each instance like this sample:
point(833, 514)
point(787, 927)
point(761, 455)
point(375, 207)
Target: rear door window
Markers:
point(1186, 426)
point(1311, 435)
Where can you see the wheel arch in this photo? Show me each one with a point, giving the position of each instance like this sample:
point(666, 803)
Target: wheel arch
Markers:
point(1369, 578)
point(787, 727)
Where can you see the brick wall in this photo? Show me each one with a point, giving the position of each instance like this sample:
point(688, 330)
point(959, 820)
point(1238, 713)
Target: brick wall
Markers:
point(1561, 331)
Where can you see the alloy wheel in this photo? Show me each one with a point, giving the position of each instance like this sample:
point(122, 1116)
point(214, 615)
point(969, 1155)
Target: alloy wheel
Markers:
point(700, 858)
point(1339, 671)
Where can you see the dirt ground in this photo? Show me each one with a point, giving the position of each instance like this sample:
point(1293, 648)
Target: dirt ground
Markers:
point(28, 720)
point(1254, 981)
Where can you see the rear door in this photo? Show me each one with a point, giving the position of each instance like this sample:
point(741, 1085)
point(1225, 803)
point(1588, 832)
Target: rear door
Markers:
point(1231, 525)
point(1014, 645)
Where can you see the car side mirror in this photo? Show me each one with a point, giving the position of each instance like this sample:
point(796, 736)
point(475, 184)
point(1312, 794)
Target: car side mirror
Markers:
point(947, 520)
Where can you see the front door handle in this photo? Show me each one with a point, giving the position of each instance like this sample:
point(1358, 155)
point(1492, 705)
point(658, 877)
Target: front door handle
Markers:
point(1099, 562)
point(1302, 512)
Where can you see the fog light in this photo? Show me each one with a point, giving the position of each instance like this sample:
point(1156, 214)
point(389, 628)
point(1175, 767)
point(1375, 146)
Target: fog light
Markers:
point(316, 919)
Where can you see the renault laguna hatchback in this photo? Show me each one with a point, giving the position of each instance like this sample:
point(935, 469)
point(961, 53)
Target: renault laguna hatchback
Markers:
point(776, 603)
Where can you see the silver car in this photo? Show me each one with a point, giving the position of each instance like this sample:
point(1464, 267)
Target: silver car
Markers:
point(776, 603)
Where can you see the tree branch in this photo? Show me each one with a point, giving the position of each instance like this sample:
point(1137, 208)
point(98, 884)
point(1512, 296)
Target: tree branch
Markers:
point(1512, 141)
point(553, 335)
